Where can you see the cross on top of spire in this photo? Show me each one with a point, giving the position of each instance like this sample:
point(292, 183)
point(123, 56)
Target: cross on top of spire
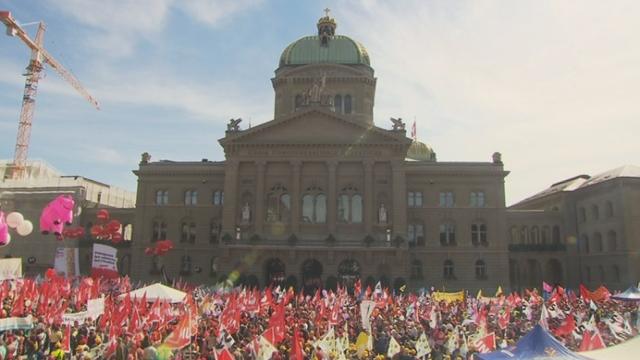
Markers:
point(326, 12)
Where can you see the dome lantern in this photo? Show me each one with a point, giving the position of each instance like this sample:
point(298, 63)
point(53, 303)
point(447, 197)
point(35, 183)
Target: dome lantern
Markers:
point(326, 27)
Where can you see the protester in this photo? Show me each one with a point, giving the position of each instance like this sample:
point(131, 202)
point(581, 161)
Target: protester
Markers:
point(274, 323)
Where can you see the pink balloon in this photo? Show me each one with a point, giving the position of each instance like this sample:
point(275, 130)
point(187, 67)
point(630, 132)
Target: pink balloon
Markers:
point(4, 230)
point(56, 214)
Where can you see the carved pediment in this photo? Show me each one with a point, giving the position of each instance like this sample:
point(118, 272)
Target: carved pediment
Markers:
point(315, 126)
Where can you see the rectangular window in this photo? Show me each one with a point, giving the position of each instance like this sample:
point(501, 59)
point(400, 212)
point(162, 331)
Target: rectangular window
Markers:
point(446, 199)
point(414, 199)
point(477, 199)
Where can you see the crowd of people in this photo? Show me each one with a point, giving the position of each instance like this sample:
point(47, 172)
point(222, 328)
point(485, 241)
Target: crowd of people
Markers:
point(49, 318)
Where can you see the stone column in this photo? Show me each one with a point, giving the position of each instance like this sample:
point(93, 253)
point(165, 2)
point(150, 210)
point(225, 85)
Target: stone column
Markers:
point(332, 196)
point(295, 196)
point(369, 202)
point(260, 197)
point(399, 198)
point(229, 214)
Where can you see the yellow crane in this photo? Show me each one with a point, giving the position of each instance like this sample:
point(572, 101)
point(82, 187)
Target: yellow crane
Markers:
point(39, 57)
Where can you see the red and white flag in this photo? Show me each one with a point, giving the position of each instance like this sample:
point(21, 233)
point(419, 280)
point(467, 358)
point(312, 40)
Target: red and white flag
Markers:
point(591, 340)
point(181, 335)
point(105, 261)
point(485, 344)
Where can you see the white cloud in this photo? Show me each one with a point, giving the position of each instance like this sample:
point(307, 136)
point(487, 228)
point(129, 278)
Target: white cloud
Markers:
point(552, 85)
point(121, 24)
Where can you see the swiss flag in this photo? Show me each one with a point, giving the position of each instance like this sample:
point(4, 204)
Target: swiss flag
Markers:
point(567, 326)
point(591, 340)
point(485, 344)
point(296, 351)
point(181, 335)
point(225, 354)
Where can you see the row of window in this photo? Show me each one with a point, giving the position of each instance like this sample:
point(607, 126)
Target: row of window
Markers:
point(415, 199)
point(589, 274)
point(596, 244)
point(535, 235)
point(595, 212)
point(342, 104)
point(415, 234)
point(190, 197)
point(187, 231)
point(448, 270)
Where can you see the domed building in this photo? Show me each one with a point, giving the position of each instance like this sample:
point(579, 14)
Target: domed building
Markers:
point(322, 195)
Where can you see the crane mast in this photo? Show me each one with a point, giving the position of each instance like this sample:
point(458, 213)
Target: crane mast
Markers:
point(39, 56)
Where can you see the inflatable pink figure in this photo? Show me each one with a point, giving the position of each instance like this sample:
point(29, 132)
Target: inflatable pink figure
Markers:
point(56, 214)
point(4, 230)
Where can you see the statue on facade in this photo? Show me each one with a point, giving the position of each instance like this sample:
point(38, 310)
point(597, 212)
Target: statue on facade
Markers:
point(246, 213)
point(382, 214)
point(145, 158)
point(233, 124)
point(314, 93)
point(398, 124)
point(497, 158)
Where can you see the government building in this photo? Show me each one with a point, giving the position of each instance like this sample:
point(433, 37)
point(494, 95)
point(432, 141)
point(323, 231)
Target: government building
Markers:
point(321, 195)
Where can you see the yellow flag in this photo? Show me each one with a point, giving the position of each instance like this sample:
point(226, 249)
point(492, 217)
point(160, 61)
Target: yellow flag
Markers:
point(266, 349)
point(499, 291)
point(362, 343)
point(479, 296)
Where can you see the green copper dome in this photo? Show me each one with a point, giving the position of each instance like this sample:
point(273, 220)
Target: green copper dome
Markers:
point(338, 49)
point(326, 47)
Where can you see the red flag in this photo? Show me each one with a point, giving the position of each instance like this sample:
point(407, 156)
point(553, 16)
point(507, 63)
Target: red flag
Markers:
point(485, 344)
point(277, 323)
point(591, 341)
point(546, 287)
point(225, 354)
point(567, 326)
point(66, 339)
point(181, 335)
point(230, 318)
point(503, 320)
point(18, 306)
point(334, 316)
point(296, 351)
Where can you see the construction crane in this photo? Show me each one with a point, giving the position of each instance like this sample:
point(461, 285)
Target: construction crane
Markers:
point(39, 56)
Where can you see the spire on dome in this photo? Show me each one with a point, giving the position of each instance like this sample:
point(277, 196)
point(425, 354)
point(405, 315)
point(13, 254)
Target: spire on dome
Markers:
point(326, 27)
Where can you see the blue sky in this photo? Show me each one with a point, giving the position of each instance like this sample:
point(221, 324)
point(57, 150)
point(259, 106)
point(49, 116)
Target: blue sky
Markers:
point(554, 86)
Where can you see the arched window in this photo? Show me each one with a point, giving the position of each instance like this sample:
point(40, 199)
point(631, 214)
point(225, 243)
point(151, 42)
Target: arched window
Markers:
point(612, 241)
point(587, 273)
point(350, 205)
point(616, 273)
point(514, 235)
point(159, 230)
point(535, 235)
point(448, 234)
point(188, 232)
point(556, 234)
point(185, 265)
point(481, 270)
point(479, 234)
point(448, 270)
point(545, 234)
point(337, 103)
point(217, 197)
point(278, 204)
point(347, 104)
point(595, 212)
point(582, 214)
point(297, 102)
point(314, 206)
point(155, 264)
point(191, 197)
point(601, 274)
point(214, 232)
point(585, 244)
point(609, 209)
point(416, 269)
point(162, 197)
point(597, 242)
point(415, 234)
point(524, 235)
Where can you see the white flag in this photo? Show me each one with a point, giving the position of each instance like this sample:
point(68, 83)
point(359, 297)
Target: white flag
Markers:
point(422, 346)
point(394, 347)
